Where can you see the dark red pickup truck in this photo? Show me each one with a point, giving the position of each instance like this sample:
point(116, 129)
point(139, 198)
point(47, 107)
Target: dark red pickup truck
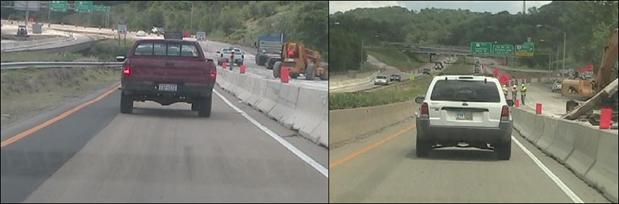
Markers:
point(167, 71)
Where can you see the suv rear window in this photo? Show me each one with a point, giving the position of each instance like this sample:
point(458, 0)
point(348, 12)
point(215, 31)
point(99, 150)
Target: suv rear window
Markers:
point(166, 49)
point(459, 90)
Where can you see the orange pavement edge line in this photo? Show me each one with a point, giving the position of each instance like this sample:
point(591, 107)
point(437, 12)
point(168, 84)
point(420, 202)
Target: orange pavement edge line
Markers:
point(369, 147)
point(56, 119)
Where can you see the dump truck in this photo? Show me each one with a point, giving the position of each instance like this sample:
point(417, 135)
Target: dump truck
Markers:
point(300, 60)
point(268, 48)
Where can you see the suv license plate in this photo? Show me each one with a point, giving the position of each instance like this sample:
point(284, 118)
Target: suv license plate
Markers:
point(464, 116)
point(167, 87)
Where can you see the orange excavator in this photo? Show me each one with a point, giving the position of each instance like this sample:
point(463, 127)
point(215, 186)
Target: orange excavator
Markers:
point(585, 89)
point(300, 60)
point(601, 89)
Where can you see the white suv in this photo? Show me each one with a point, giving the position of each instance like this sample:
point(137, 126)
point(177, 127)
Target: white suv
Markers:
point(462, 111)
point(381, 80)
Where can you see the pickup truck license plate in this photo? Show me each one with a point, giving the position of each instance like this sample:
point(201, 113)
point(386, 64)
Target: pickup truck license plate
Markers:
point(167, 87)
point(464, 116)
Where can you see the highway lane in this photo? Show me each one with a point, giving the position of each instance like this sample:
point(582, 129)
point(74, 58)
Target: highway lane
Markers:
point(388, 71)
point(391, 172)
point(161, 154)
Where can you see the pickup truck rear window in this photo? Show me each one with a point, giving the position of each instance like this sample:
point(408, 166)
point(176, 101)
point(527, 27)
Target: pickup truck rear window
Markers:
point(463, 90)
point(166, 49)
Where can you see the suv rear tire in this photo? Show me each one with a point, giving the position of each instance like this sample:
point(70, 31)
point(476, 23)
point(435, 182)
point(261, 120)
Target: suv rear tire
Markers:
point(126, 103)
point(205, 107)
point(503, 151)
point(423, 147)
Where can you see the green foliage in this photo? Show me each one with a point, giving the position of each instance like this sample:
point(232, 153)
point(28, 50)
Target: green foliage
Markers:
point(404, 61)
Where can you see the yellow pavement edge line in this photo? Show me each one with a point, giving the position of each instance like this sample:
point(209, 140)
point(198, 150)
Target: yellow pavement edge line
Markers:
point(355, 154)
point(34, 129)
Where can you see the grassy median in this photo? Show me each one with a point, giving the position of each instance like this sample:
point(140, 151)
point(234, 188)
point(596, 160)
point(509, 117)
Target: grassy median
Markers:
point(27, 92)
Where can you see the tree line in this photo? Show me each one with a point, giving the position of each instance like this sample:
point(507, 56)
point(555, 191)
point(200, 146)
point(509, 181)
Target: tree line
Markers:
point(587, 25)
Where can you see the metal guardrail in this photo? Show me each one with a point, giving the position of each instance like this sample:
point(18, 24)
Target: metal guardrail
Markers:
point(23, 65)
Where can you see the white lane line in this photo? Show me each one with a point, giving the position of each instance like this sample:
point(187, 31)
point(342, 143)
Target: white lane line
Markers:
point(274, 135)
point(549, 173)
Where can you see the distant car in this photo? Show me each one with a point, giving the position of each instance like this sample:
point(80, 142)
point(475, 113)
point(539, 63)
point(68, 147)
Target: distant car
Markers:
point(464, 110)
point(395, 77)
point(158, 30)
point(556, 86)
point(225, 54)
point(167, 71)
point(381, 80)
point(427, 71)
point(22, 31)
point(140, 33)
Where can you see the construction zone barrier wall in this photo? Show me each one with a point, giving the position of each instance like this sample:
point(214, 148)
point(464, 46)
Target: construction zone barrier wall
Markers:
point(298, 108)
point(375, 118)
point(591, 153)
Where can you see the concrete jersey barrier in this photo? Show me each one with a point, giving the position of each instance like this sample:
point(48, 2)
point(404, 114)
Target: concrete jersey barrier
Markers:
point(590, 152)
point(298, 108)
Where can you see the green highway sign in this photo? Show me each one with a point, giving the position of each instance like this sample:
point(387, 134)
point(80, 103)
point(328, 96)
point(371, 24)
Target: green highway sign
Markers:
point(525, 50)
point(503, 49)
point(101, 8)
point(61, 6)
point(84, 6)
point(481, 48)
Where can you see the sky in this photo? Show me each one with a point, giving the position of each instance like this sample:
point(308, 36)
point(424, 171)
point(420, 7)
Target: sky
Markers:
point(513, 7)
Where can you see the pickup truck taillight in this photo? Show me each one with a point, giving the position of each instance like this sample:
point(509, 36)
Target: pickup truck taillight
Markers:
point(505, 113)
point(212, 73)
point(425, 112)
point(127, 70)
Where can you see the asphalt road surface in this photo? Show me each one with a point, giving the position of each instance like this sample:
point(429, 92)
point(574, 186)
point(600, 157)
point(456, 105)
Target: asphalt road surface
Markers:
point(162, 154)
point(385, 168)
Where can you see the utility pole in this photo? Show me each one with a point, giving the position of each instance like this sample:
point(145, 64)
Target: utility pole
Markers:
point(524, 8)
point(49, 11)
point(27, 13)
point(564, 44)
point(191, 18)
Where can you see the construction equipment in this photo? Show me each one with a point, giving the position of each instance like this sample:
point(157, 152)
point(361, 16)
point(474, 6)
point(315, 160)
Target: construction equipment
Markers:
point(602, 89)
point(300, 60)
point(585, 89)
point(268, 49)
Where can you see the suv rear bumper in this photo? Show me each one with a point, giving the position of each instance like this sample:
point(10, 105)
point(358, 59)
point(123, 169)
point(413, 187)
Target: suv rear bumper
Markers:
point(447, 134)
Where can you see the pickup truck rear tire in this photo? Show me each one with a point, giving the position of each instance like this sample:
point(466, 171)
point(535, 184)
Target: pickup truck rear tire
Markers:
point(195, 106)
point(276, 69)
point(126, 103)
point(504, 150)
point(205, 107)
point(422, 147)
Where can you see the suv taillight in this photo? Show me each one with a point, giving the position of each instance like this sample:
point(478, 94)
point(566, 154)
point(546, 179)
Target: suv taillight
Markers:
point(424, 110)
point(127, 70)
point(505, 113)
